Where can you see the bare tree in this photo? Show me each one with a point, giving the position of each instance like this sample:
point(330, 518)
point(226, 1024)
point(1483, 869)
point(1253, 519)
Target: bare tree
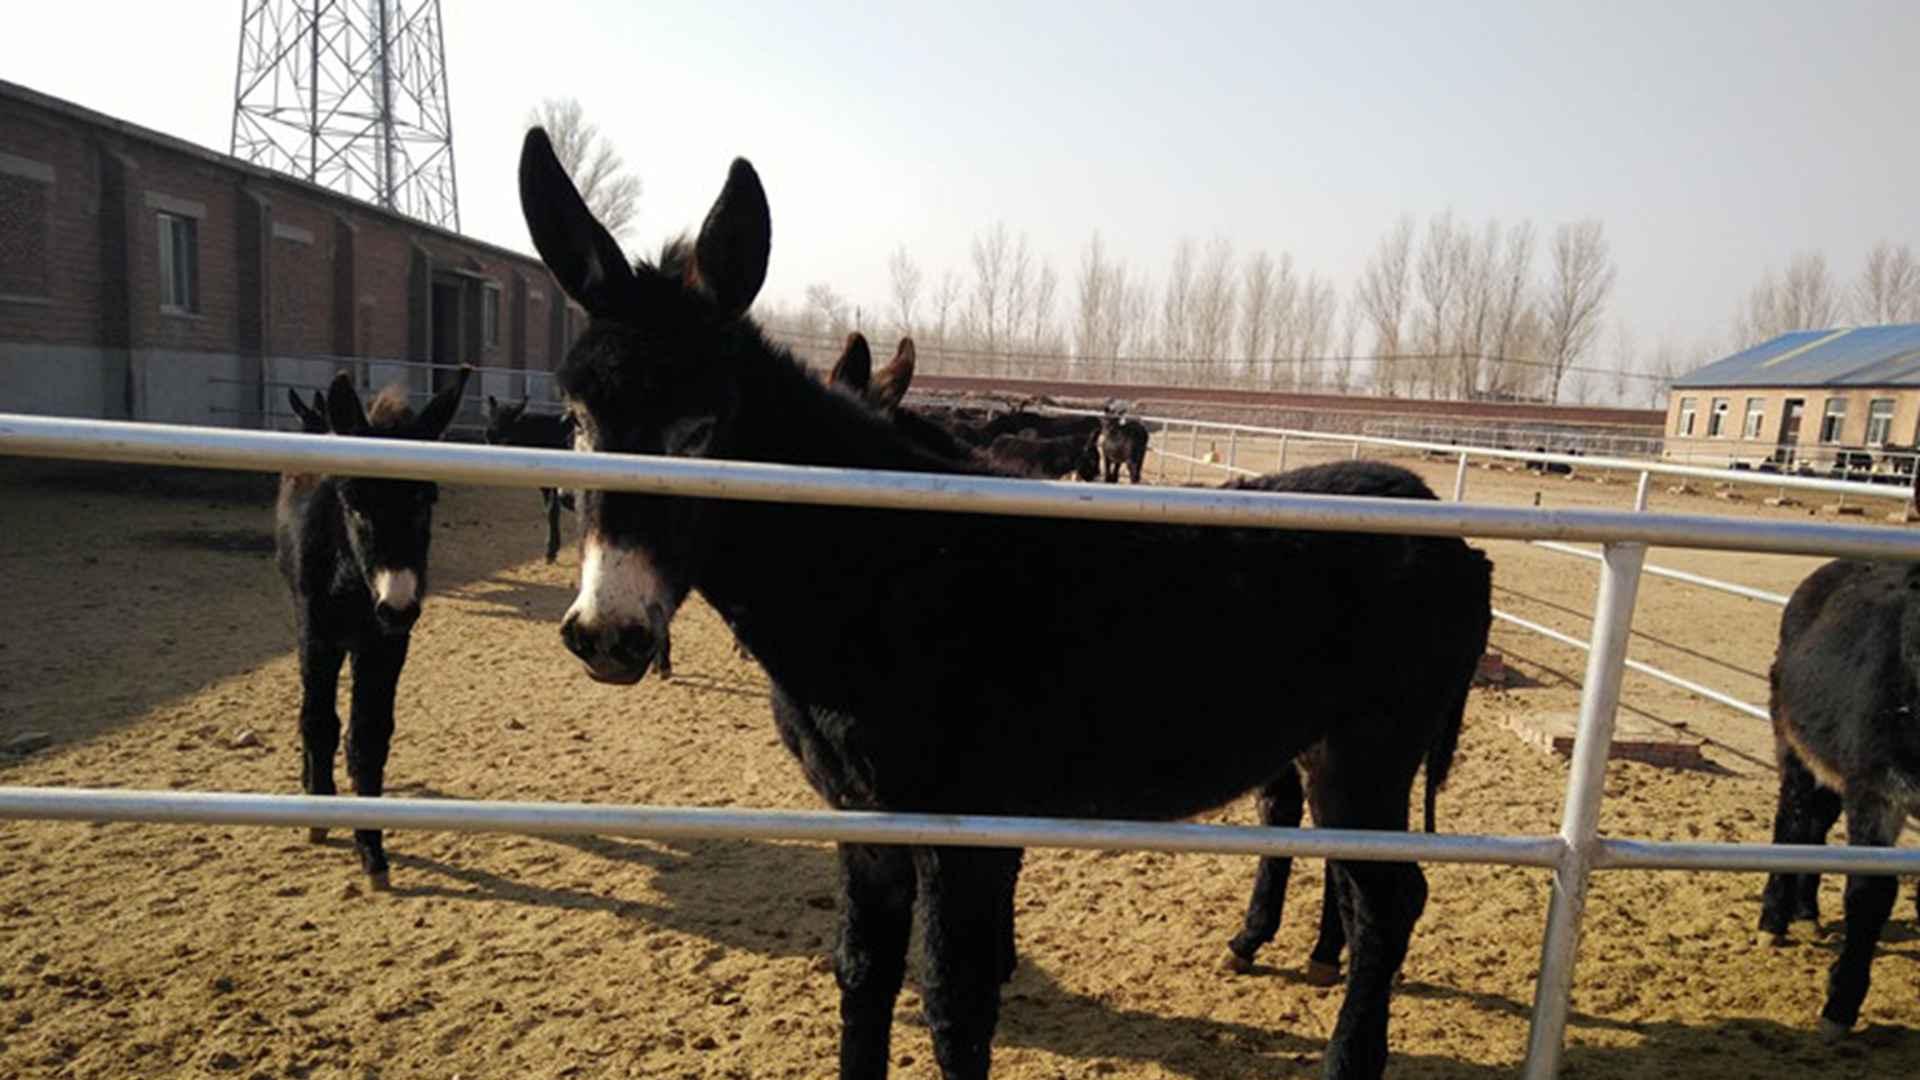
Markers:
point(1341, 375)
point(1665, 363)
point(1176, 305)
point(1041, 336)
point(906, 277)
point(1318, 308)
point(1580, 281)
point(1213, 303)
point(986, 303)
point(1256, 292)
point(1508, 302)
point(1803, 300)
point(1808, 297)
point(1888, 290)
point(1283, 343)
point(1094, 336)
point(1626, 361)
point(1440, 269)
point(1383, 296)
point(612, 193)
point(830, 309)
point(945, 296)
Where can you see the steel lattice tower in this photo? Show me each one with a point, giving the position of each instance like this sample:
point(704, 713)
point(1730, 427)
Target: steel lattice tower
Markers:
point(351, 95)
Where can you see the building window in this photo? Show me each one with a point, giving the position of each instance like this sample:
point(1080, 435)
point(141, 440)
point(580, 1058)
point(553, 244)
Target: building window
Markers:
point(179, 263)
point(1879, 421)
point(1717, 419)
point(1834, 421)
point(490, 315)
point(1687, 408)
point(1756, 415)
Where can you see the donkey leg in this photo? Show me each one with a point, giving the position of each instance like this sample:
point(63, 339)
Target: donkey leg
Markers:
point(1871, 822)
point(376, 674)
point(1323, 964)
point(1823, 811)
point(1009, 950)
point(870, 959)
point(1281, 804)
point(551, 497)
point(319, 723)
point(663, 659)
point(1793, 823)
point(960, 896)
point(1361, 786)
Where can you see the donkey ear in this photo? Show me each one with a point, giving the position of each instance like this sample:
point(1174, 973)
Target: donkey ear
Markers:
point(434, 419)
point(855, 367)
point(345, 414)
point(730, 257)
point(310, 421)
point(890, 386)
point(581, 253)
point(493, 408)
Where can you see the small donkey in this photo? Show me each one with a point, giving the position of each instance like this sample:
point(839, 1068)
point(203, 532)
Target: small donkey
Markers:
point(354, 555)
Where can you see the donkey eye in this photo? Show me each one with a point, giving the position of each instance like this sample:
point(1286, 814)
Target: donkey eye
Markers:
point(688, 437)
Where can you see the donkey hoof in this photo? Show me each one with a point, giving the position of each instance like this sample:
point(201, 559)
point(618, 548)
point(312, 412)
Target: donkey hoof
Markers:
point(1319, 973)
point(1832, 1031)
point(316, 836)
point(1778, 939)
point(1239, 965)
point(378, 881)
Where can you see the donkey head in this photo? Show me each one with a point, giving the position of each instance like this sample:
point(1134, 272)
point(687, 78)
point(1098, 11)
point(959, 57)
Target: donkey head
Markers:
point(501, 418)
point(655, 372)
point(389, 523)
point(313, 418)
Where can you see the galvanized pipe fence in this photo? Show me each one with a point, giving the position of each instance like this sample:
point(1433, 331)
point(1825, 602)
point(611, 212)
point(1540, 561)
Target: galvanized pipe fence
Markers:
point(1229, 465)
point(1573, 854)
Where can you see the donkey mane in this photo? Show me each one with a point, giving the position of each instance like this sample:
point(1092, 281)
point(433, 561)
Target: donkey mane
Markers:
point(389, 409)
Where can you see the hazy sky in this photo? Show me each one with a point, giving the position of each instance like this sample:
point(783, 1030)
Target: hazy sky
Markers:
point(1713, 139)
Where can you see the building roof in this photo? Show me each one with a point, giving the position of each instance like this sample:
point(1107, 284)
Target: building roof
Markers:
point(1846, 357)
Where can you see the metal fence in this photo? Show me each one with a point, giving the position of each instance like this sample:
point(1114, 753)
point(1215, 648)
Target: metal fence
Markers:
point(1573, 854)
point(1240, 435)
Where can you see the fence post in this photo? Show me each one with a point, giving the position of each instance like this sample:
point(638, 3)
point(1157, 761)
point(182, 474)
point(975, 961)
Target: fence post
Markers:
point(1640, 493)
point(1460, 479)
point(1356, 449)
point(1193, 449)
point(1233, 448)
point(1579, 824)
point(1282, 467)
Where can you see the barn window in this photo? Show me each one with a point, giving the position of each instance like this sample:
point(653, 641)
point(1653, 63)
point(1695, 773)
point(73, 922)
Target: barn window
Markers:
point(1688, 406)
point(1835, 420)
point(1717, 419)
point(179, 263)
point(1879, 421)
point(1756, 415)
point(490, 315)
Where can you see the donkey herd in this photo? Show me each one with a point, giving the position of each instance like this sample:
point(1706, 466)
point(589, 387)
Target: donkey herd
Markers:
point(899, 683)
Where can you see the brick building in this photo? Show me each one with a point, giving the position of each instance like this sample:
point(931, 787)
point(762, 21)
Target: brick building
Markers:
point(143, 277)
point(1808, 398)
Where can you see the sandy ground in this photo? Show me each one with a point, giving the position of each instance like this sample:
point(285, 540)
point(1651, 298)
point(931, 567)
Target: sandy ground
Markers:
point(143, 626)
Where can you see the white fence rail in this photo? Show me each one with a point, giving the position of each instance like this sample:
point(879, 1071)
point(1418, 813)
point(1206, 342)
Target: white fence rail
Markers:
point(1229, 464)
point(1573, 854)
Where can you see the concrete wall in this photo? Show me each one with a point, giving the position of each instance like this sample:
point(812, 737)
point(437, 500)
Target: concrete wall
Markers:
point(87, 381)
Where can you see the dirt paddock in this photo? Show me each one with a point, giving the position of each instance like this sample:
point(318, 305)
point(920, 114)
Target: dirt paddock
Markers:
point(143, 628)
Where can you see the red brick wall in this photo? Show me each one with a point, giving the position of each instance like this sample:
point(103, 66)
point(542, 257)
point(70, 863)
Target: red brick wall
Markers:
point(85, 282)
point(214, 328)
point(72, 265)
point(300, 277)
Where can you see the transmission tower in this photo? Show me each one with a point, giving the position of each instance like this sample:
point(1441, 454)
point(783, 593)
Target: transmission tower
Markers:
point(351, 95)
